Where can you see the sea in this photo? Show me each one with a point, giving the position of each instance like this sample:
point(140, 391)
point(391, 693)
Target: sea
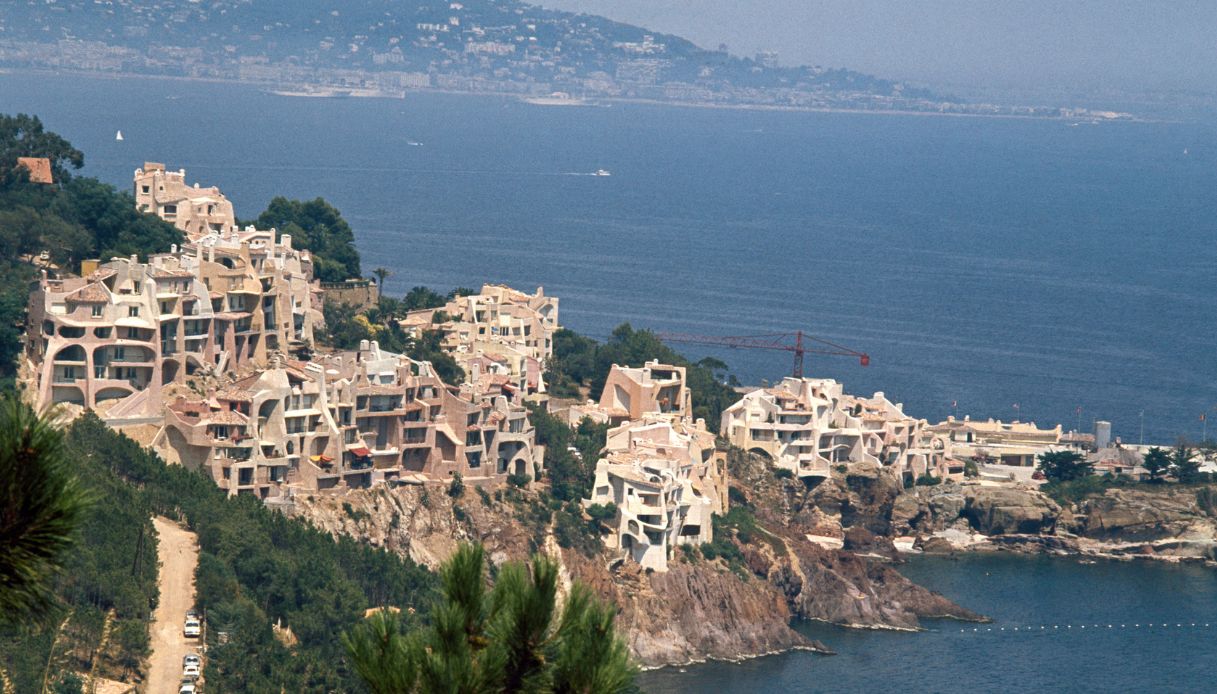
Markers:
point(1053, 271)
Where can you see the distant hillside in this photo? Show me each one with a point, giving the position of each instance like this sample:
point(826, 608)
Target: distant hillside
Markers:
point(469, 45)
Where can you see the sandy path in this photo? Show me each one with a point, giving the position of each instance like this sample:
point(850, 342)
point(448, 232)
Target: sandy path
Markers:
point(178, 554)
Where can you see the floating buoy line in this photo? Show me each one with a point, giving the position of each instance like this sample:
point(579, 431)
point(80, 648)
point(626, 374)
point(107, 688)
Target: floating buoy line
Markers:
point(1079, 627)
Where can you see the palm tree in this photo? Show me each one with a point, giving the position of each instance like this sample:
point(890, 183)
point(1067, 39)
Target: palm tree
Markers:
point(381, 273)
point(41, 505)
point(511, 638)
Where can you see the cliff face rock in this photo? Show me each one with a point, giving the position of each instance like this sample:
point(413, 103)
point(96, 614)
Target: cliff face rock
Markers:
point(988, 510)
point(842, 588)
point(693, 612)
point(1004, 510)
point(1131, 515)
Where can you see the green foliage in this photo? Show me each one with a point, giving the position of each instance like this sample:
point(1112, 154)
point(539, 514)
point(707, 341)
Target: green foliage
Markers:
point(74, 219)
point(1184, 465)
point(928, 480)
point(691, 553)
point(1157, 463)
point(570, 472)
point(572, 531)
point(354, 513)
point(510, 638)
point(456, 488)
point(344, 328)
point(580, 360)
point(970, 469)
point(602, 512)
point(111, 566)
point(70, 683)
point(518, 481)
point(23, 136)
point(484, 495)
point(41, 506)
point(257, 566)
point(1063, 466)
point(319, 227)
point(1072, 491)
point(420, 298)
point(783, 473)
point(429, 347)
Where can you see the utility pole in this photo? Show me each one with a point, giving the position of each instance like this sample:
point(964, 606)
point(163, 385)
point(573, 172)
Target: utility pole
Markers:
point(1142, 442)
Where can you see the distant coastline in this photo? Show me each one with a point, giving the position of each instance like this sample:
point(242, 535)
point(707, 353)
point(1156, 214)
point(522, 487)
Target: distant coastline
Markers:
point(297, 90)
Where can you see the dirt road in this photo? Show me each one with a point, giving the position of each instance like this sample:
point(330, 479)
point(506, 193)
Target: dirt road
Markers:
point(178, 553)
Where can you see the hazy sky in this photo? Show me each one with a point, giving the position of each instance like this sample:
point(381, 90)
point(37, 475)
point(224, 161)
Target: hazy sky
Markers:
point(1079, 44)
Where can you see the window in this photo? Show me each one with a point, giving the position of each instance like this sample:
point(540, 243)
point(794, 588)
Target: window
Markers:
point(133, 311)
point(97, 308)
point(170, 209)
point(144, 189)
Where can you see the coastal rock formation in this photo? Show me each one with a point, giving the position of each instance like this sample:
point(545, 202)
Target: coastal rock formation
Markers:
point(700, 608)
point(988, 510)
point(1130, 515)
point(1005, 510)
point(693, 612)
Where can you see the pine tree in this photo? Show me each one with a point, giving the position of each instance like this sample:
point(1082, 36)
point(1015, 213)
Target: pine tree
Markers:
point(1156, 462)
point(512, 638)
point(41, 505)
point(1184, 465)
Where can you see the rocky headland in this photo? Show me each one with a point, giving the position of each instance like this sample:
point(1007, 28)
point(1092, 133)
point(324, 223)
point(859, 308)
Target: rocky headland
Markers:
point(1166, 522)
point(702, 608)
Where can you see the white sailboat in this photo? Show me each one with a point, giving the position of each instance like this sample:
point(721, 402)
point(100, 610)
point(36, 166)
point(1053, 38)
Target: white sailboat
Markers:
point(118, 136)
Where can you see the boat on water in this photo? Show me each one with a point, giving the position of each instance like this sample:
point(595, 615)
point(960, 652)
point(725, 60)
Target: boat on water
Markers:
point(602, 172)
point(118, 136)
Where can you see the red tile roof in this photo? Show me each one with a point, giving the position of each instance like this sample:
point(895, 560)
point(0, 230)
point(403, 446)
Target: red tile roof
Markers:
point(39, 168)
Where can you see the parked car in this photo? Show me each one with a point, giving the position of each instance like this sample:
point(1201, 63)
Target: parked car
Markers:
point(194, 628)
point(192, 614)
point(188, 688)
point(190, 670)
point(192, 658)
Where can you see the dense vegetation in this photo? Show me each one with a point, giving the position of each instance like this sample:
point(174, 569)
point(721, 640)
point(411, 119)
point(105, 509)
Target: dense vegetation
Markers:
point(111, 568)
point(317, 226)
point(514, 637)
point(256, 567)
point(345, 329)
point(1071, 477)
point(582, 362)
point(73, 219)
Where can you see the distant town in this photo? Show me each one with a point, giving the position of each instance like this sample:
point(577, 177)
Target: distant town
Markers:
point(502, 47)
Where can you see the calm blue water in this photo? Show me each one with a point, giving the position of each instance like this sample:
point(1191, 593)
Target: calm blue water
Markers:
point(1018, 592)
point(986, 261)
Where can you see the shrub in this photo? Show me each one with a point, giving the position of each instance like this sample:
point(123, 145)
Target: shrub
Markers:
point(1076, 490)
point(928, 480)
point(518, 481)
point(484, 495)
point(970, 469)
point(782, 473)
point(456, 488)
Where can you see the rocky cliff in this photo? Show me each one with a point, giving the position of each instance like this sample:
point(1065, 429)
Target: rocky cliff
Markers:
point(1167, 521)
point(701, 608)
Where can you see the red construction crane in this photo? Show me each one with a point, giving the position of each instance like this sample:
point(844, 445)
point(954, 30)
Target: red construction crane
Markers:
point(776, 341)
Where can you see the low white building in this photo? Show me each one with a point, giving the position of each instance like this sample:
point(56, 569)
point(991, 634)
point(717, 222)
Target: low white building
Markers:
point(809, 425)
